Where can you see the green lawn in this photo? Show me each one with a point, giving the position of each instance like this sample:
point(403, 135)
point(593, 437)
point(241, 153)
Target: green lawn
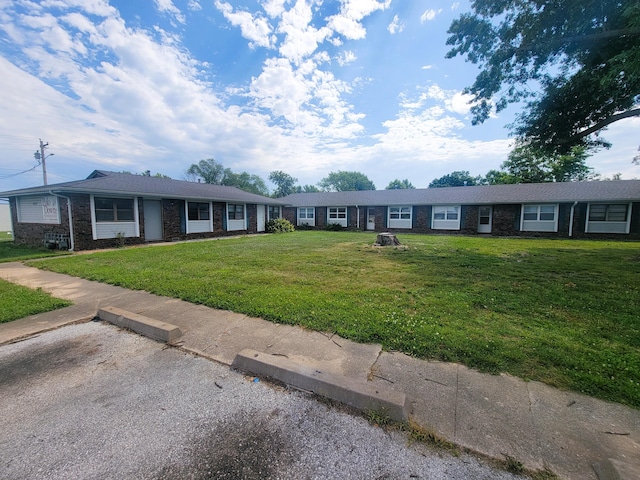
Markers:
point(563, 312)
point(10, 252)
point(18, 302)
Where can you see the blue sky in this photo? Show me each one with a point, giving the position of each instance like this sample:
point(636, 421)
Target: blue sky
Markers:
point(303, 86)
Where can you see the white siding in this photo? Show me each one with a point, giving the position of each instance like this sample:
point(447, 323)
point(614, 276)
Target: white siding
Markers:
point(199, 226)
point(234, 225)
point(112, 229)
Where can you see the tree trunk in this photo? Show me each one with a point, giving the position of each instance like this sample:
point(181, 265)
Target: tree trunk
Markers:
point(387, 240)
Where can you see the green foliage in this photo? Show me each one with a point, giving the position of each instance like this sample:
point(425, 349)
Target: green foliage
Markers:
point(342, 181)
point(455, 179)
point(19, 302)
point(526, 164)
point(307, 189)
point(305, 226)
point(563, 312)
point(214, 173)
point(208, 170)
point(334, 227)
point(400, 185)
point(583, 56)
point(12, 252)
point(285, 183)
point(279, 225)
point(497, 177)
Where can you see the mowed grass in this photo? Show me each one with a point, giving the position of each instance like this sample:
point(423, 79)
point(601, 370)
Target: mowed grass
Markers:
point(566, 313)
point(18, 302)
point(10, 252)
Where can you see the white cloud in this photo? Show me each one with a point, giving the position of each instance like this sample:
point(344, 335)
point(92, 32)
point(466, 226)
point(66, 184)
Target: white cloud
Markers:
point(255, 29)
point(455, 6)
point(345, 58)
point(429, 15)
point(274, 8)
point(301, 38)
point(426, 67)
point(347, 22)
point(194, 6)
point(167, 6)
point(396, 26)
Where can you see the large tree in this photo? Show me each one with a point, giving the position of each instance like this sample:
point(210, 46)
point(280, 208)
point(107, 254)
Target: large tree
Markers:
point(342, 181)
point(527, 165)
point(400, 185)
point(285, 183)
point(460, 178)
point(208, 170)
point(214, 173)
point(576, 64)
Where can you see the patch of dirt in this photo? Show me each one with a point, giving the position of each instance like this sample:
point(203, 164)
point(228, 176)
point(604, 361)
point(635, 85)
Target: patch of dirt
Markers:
point(247, 447)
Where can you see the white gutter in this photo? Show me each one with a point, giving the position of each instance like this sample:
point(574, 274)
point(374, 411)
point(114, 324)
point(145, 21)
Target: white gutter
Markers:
point(573, 207)
point(358, 217)
point(72, 246)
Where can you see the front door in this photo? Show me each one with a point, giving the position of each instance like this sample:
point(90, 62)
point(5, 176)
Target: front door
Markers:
point(261, 218)
point(484, 220)
point(371, 219)
point(152, 220)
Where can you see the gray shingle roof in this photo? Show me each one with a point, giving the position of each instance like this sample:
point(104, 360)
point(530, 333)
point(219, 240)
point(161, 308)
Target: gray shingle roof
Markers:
point(112, 183)
point(620, 190)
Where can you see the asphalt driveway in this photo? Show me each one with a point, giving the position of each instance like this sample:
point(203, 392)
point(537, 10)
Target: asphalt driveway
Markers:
point(92, 401)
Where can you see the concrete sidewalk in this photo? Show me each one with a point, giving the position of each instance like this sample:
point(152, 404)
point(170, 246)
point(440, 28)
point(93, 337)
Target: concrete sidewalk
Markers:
point(498, 416)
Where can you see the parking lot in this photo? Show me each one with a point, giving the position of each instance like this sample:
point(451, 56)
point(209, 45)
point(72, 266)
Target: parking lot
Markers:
point(93, 401)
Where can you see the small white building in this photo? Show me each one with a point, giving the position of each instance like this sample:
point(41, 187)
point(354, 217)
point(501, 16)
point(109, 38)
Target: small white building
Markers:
point(5, 218)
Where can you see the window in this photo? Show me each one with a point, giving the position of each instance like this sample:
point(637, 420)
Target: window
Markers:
point(612, 212)
point(399, 217)
point(42, 209)
point(608, 218)
point(198, 211)
point(306, 213)
point(274, 212)
point(337, 213)
point(539, 218)
point(446, 213)
point(400, 213)
point(235, 211)
point(539, 213)
point(114, 209)
point(446, 217)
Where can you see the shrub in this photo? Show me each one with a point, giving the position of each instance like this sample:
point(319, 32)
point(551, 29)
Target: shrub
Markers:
point(334, 227)
point(279, 225)
point(305, 226)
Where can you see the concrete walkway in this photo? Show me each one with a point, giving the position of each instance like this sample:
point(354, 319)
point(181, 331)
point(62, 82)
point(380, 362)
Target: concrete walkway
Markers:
point(574, 436)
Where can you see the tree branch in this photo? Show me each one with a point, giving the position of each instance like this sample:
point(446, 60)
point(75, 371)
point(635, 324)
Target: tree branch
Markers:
point(607, 121)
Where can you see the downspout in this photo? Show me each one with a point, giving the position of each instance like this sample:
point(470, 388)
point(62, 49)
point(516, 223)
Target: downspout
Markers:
point(71, 249)
point(357, 217)
point(573, 207)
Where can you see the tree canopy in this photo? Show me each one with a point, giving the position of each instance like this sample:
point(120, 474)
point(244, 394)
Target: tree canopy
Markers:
point(342, 181)
point(583, 55)
point(400, 185)
point(525, 165)
point(285, 183)
point(461, 178)
point(210, 171)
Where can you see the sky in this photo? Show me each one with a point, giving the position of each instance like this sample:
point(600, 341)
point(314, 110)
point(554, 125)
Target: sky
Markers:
point(307, 87)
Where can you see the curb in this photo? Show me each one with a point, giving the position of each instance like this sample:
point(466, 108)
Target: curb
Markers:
point(361, 395)
point(612, 469)
point(146, 326)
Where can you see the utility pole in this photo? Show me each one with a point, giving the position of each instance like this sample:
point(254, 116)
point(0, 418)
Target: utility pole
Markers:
point(41, 157)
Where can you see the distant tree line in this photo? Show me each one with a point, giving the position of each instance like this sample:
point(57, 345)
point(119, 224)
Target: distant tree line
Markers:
point(523, 165)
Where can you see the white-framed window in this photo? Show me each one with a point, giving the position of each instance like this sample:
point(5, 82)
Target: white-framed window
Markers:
point(236, 217)
point(608, 218)
point(307, 215)
point(338, 215)
point(539, 218)
point(38, 209)
point(400, 217)
point(446, 217)
point(199, 217)
point(112, 217)
point(274, 212)
point(199, 211)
